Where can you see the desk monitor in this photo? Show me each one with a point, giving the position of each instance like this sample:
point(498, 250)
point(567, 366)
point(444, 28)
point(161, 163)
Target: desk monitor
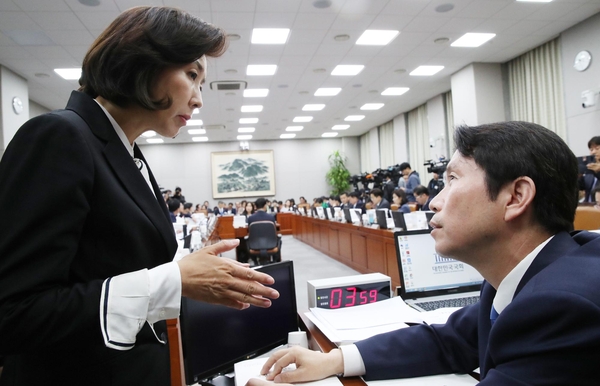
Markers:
point(347, 215)
point(399, 219)
point(381, 217)
point(215, 337)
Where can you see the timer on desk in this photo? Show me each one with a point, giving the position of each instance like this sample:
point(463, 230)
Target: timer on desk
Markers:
point(348, 291)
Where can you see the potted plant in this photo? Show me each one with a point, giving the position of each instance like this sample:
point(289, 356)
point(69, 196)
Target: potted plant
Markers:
point(338, 175)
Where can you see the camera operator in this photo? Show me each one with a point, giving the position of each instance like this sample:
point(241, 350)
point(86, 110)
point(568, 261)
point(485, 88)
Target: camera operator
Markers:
point(412, 182)
point(388, 187)
point(435, 185)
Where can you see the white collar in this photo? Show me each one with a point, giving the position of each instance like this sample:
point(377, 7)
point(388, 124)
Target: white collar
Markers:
point(119, 131)
point(508, 286)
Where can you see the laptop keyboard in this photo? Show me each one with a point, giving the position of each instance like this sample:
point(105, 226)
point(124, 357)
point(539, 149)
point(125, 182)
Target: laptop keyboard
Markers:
point(458, 302)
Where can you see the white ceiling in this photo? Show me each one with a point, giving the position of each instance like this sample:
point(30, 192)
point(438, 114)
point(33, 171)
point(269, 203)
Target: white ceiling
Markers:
point(56, 34)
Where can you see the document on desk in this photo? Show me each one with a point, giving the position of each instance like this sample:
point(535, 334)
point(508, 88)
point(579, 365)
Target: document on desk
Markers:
point(434, 380)
point(251, 369)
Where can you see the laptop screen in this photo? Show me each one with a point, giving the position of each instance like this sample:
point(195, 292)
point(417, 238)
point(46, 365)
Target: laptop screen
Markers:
point(423, 272)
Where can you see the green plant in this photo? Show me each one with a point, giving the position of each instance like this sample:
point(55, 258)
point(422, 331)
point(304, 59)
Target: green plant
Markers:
point(338, 175)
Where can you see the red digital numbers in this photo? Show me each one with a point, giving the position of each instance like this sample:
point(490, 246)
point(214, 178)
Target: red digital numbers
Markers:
point(351, 297)
point(363, 297)
point(373, 295)
point(338, 300)
point(338, 292)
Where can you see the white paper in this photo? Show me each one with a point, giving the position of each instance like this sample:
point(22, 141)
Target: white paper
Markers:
point(434, 380)
point(251, 369)
point(416, 221)
point(439, 316)
point(239, 221)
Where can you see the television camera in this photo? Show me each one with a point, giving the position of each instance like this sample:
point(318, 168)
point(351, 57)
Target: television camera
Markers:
point(436, 166)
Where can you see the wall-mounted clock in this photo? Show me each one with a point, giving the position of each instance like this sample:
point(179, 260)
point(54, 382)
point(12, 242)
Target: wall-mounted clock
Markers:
point(582, 61)
point(17, 105)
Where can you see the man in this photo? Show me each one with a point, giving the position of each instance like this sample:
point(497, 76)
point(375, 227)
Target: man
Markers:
point(175, 207)
point(388, 187)
point(412, 180)
point(220, 209)
point(231, 209)
point(355, 202)
point(422, 196)
point(435, 185)
point(187, 210)
point(178, 195)
point(344, 200)
point(508, 218)
point(590, 178)
point(378, 201)
point(260, 214)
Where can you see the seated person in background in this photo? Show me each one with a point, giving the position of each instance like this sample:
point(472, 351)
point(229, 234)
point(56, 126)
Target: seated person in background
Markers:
point(354, 202)
point(238, 207)
point(292, 203)
point(589, 180)
point(510, 219)
point(166, 195)
point(388, 187)
point(287, 206)
point(334, 201)
point(249, 209)
point(596, 195)
point(400, 199)
point(178, 195)
point(231, 209)
point(325, 201)
point(260, 214)
point(197, 208)
point(302, 201)
point(187, 210)
point(175, 207)
point(344, 200)
point(422, 196)
point(378, 201)
point(220, 209)
point(412, 180)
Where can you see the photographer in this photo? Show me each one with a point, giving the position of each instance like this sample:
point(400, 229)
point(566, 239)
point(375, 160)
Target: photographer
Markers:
point(435, 185)
point(412, 182)
point(388, 187)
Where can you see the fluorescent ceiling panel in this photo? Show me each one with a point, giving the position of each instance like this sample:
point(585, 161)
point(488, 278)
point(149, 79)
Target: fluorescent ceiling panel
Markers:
point(395, 90)
point(302, 119)
point(244, 137)
point(354, 118)
point(317, 107)
point(256, 92)
point(69, 73)
point(426, 70)
point(270, 35)
point(196, 111)
point(347, 69)
point(472, 39)
point(374, 37)
point(261, 69)
point(196, 131)
point(194, 122)
point(149, 133)
point(155, 140)
point(327, 91)
point(246, 121)
point(252, 109)
point(340, 127)
point(294, 128)
point(329, 134)
point(200, 139)
point(286, 136)
point(246, 130)
point(371, 106)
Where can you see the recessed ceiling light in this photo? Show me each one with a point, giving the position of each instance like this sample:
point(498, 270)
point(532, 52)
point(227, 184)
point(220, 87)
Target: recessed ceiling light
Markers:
point(155, 140)
point(244, 137)
point(41, 75)
point(303, 92)
point(252, 109)
point(371, 106)
point(246, 130)
point(374, 37)
point(231, 71)
point(319, 70)
point(426, 70)
point(441, 40)
point(351, 118)
point(269, 35)
point(395, 90)
point(287, 136)
point(329, 134)
point(69, 73)
point(340, 127)
point(535, 1)
point(400, 71)
point(229, 93)
point(316, 107)
point(322, 4)
point(324, 91)
point(373, 92)
point(358, 85)
point(245, 121)
point(233, 37)
point(444, 8)
point(256, 92)
point(347, 69)
point(294, 128)
point(282, 85)
point(341, 38)
point(149, 133)
point(196, 131)
point(90, 3)
point(200, 139)
point(302, 119)
point(472, 39)
point(194, 122)
point(230, 109)
point(261, 69)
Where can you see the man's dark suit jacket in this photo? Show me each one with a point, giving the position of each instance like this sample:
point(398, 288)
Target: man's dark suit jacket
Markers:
point(260, 215)
point(548, 335)
point(359, 205)
point(90, 215)
point(383, 204)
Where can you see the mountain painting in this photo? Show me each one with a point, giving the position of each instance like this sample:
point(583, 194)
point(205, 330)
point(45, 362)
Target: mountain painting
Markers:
point(243, 174)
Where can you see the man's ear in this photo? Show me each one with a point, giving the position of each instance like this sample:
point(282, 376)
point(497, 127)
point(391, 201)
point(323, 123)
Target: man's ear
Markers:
point(520, 194)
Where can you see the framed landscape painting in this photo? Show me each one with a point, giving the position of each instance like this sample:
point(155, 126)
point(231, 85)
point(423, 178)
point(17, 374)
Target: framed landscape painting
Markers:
point(243, 174)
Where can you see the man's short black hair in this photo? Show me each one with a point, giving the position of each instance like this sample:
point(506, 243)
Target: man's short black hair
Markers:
point(354, 194)
point(260, 203)
point(377, 192)
point(420, 189)
point(188, 205)
point(508, 150)
point(173, 204)
point(595, 141)
point(404, 165)
point(343, 194)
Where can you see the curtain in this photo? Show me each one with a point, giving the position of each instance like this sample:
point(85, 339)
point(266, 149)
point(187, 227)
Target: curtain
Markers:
point(418, 140)
point(449, 124)
point(386, 145)
point(535, 87)
point(365, 153)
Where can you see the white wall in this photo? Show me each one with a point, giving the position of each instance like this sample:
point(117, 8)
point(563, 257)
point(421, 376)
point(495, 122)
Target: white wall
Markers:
point(436, 119)
point(11, 85)
point(400, 143)
point(582, 123)
point(463, 96)
point(300, 166)
point(36, 109)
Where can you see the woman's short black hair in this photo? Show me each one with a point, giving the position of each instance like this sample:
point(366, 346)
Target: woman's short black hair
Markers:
point(509, 150)
point(123, 62)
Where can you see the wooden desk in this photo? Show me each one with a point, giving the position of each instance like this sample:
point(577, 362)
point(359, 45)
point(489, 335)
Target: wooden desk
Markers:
point(364, 249)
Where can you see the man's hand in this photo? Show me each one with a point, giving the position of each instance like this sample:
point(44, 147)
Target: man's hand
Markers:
point(310, 366)
point(212, 279)
point(595, 167)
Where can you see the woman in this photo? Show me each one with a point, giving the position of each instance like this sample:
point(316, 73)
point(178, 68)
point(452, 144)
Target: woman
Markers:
point(85, 287)
point(399, 198)
point(249, 209)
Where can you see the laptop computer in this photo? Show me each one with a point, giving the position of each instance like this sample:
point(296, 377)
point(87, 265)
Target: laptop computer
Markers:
point(430, 281)
point(381, 218)
point(347, 215)
point(399, 219)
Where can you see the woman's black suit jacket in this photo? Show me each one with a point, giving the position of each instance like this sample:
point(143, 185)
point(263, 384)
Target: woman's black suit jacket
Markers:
point(75, 210)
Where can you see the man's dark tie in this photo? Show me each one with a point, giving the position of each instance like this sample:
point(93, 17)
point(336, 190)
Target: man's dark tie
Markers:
point(493, 315)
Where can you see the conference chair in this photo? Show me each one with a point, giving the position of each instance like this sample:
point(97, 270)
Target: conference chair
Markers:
point(587, 218)
point(394, 207)
point(263, 243)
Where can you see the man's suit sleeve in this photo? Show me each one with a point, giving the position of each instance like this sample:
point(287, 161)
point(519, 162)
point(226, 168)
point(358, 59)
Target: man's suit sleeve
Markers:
point(424, 350)
point(49, 168)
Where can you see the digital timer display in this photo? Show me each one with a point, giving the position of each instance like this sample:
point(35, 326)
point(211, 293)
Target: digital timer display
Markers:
point(352, 295)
